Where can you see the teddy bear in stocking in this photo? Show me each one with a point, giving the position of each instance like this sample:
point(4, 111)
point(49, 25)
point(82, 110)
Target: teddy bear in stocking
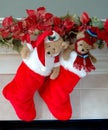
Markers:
point(30, 76)
point(73, 67)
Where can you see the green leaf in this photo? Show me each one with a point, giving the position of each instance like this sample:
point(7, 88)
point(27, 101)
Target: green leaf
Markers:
point(76, 19)
point(97, 22)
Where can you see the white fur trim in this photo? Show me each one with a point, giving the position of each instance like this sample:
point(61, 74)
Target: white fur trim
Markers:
point(29, 46)
point(68, 64)
point(57, 64)
point(35, 65)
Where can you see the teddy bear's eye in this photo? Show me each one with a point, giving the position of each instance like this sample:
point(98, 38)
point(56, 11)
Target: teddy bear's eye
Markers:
point(80, 44)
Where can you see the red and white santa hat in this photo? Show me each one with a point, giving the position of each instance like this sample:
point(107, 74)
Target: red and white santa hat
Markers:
point(87, 40)
point(45, 37)
point(53, 37)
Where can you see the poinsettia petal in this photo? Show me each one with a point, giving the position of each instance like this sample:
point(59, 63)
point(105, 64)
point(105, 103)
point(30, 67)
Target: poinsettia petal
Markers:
point(106, 25)
point(41, 9)
point(59, 30)
point(5, 33)
point(68, 24)
point(30, 12)
point(57, 21)
point(7, 21)
point(84, 18)
point(48, 15)
point(26, 38)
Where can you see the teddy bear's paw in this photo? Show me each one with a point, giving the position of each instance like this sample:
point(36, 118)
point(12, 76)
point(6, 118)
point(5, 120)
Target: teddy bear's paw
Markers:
point(54, 76)
point(55, 73)
point(66, 54)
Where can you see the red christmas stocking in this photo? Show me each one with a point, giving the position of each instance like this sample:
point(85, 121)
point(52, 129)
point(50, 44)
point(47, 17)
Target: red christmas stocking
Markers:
point(20, 92)
point(56, 92)
point(29, 77)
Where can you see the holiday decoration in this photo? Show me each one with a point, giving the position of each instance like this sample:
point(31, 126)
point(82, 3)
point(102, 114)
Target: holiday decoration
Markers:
point(56, 93)
point(55, 54)
point(31, 74)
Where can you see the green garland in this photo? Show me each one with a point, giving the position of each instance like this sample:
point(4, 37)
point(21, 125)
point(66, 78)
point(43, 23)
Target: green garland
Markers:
point(16, 44)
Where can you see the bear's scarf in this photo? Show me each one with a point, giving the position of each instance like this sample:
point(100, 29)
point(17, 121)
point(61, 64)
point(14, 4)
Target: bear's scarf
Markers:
point(83, 61)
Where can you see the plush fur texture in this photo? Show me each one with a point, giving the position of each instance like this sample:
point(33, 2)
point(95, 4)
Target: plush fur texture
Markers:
point(20, 92)
point(75, 63)
point(82, 47)
point(30, 77)
point(56, 93)
point(52, 51)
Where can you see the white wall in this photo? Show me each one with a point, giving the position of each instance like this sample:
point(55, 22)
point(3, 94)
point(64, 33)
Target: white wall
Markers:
point(89, 98)
point(17, 8)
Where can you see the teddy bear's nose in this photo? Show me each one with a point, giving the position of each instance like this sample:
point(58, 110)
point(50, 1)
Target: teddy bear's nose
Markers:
point(48, 52)
point(82, 49)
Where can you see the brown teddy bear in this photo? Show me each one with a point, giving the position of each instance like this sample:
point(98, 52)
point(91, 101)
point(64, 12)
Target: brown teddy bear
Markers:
point(82, 46)
point(75, 63)
point(53, 45)
point(39, 61)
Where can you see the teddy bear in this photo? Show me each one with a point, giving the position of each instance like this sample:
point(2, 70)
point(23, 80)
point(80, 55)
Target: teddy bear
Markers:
point(54, 45)
point(39, 60)
point(84, 58)
point(75, 63)
point(81, 47)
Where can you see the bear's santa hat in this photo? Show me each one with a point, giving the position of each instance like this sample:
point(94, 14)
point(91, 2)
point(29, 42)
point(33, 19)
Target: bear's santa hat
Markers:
point(45, 37)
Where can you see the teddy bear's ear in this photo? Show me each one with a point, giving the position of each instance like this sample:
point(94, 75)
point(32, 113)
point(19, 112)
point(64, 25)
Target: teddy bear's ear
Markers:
point(80, 35)
point(65, 44)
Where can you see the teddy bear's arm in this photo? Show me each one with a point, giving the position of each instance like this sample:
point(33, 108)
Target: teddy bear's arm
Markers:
point(94, 60)
point(55, 72)
point(66, 52)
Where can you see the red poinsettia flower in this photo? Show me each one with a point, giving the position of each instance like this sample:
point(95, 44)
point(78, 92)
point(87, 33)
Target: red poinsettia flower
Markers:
point(30, 12)
point(31, 23)
point(36, 20)
point(106, 25)
point(20, 31)
point(43, 19)
point(58, 25)
point(84, 18)
point(103, 35)
point(4, 33)
point(39, 11)
point(57, 21)
point(7, 23)
point(62, 26)
point(68, 24)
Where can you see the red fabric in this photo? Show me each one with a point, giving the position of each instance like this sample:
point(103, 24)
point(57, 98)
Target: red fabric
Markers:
point(56, 59)
point(20, 92)
point(40, 45)
point(84, 63)
point(56, 92)
point(86, 39)
point(79, 63)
